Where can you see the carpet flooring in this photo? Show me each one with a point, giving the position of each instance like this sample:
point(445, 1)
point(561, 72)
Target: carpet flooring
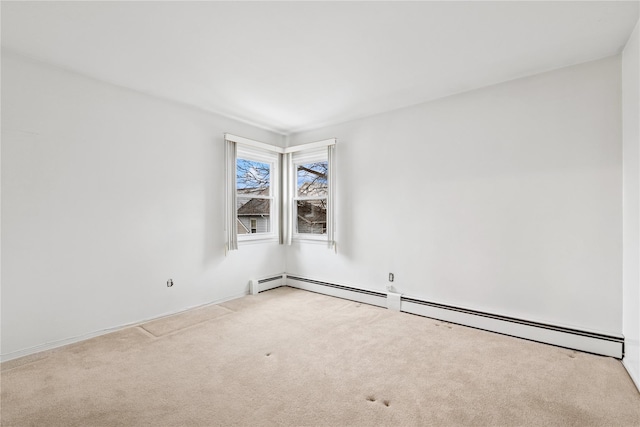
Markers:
point(294, 358)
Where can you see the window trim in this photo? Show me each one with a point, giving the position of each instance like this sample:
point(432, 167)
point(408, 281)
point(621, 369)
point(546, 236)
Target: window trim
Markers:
point(306, 157)
point(282, 194)
point(258, 154)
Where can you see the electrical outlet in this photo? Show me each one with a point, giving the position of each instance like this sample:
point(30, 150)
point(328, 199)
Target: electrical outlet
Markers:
point(169, 283)
point(391, 277)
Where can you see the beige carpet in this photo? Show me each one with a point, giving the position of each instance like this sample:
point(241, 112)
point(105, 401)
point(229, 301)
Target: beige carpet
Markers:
point(295, 358)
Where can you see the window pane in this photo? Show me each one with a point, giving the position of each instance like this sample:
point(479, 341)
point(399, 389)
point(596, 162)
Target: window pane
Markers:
point(312, 179)
point(312, 216)
point(253, 177)
point(254, 215)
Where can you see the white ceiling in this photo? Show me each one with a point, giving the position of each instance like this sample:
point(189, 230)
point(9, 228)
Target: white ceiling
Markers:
point(290, 66)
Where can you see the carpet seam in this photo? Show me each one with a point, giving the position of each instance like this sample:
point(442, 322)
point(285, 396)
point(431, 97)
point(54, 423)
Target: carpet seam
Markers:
point(186, 327)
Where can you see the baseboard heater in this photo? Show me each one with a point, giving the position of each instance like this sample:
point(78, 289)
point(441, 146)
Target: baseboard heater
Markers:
point(270, 283)
point(340, 291)
point(590, 342)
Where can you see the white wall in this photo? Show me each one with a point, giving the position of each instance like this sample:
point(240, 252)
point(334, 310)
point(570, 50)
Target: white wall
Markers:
point(506, 199)
point(106, 194)
point(631, 204)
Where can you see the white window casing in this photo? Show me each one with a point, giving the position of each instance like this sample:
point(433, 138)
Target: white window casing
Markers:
point(300, 159)
point(271, 158)
point(283, 191)
point(303, 154)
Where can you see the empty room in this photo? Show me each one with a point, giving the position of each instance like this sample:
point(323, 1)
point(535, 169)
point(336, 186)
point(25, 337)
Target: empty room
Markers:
point(309, 213)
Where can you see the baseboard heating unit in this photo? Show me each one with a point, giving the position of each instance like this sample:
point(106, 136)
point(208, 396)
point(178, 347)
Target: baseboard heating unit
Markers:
point(267, 283)
point(591, 342)
point(340, 291)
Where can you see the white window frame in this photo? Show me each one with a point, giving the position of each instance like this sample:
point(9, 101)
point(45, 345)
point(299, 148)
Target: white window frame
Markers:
point(258, 154)
point(283, 189)
point(300, 154)
point(303, 158)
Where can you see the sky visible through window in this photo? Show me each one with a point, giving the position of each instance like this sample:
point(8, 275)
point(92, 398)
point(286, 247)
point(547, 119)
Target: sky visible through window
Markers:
point(311, 212)
point(251, 174)
point(312, 176)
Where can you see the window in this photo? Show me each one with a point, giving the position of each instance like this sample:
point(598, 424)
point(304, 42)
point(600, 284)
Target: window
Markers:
point(311, 183)
point(253, 196)
point(252, 191)
point(311, 197)
point(274, 192)
point(256, 189)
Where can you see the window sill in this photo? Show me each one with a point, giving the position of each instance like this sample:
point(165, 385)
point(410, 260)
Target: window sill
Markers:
point(320, 239)
point(242, 241)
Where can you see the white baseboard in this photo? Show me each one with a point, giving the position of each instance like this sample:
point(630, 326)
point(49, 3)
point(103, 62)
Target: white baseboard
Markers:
point(563, 337)
point(262, 285)
point(354, 294)
point(72, 340)
point(602, 344)
point(606, 345)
